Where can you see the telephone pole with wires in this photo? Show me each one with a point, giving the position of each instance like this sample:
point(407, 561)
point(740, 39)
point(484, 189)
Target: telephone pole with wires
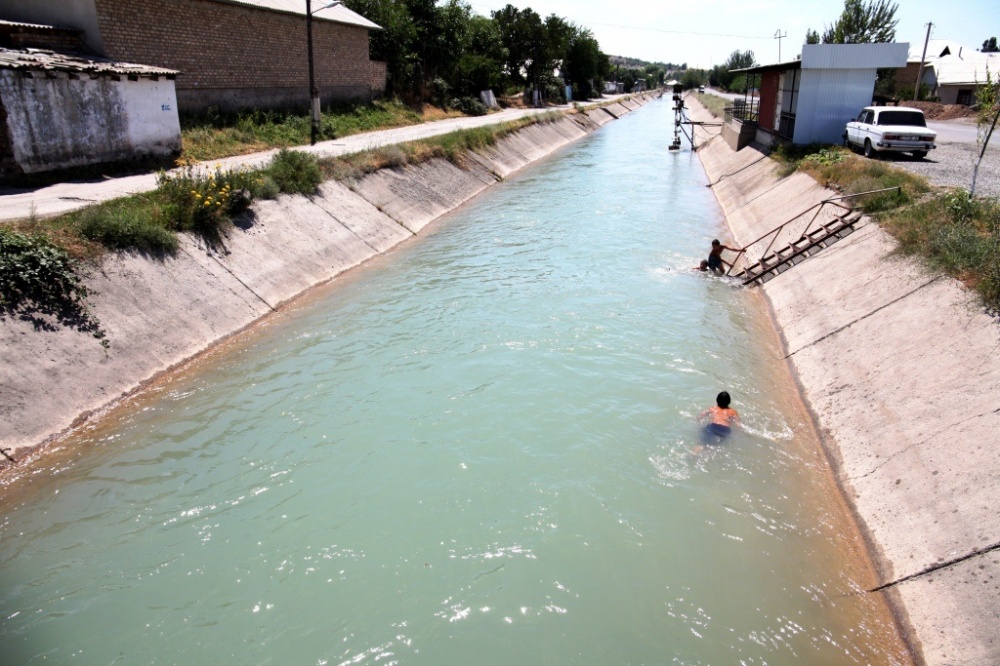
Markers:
point(779, 36)
point(920, 67)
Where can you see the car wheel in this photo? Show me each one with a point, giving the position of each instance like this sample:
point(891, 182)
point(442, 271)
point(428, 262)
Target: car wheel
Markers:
point(920, 154)
point(869, 151)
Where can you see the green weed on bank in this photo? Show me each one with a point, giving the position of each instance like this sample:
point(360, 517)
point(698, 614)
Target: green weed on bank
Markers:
point(949, 229)
point(955, 233)
point(841, 170)
point(40, 260)
point(212, 135)
point(453, 147)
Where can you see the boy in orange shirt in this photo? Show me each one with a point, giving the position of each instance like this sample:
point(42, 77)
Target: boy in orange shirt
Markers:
point(723, 418)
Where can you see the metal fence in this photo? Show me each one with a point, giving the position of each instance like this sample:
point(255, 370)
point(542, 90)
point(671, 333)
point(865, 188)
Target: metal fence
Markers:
point(745, 112)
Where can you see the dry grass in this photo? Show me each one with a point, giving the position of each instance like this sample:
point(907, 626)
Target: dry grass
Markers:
point(453, 147)
point(713, 103)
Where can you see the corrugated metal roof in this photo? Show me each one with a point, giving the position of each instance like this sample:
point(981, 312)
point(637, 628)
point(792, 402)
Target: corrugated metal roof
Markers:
point(338, 14)
point(50, 61)
point(34, 26)
point(952, 70)
point(936, 48)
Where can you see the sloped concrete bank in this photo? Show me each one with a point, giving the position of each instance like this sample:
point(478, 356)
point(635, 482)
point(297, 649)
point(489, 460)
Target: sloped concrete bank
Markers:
point(901, 371)
point(159, 314)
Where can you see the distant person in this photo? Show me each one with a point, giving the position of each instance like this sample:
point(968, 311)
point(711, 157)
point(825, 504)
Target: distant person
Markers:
point(715, 260)
point(722, 418)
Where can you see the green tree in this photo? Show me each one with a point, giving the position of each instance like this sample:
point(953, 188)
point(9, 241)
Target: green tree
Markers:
point(864, 23)
point(990, 46)
point(722, 76)
point(585, 67)
point(812, 37)
point(521, 32)
point(391, 44)
point(481, 66)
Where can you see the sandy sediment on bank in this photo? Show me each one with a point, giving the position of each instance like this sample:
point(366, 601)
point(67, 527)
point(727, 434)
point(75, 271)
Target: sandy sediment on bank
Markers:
point(161, 313)
point(900, 368)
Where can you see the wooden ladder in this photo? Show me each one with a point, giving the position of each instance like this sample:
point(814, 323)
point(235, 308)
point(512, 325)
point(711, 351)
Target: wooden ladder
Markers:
point(794, 253)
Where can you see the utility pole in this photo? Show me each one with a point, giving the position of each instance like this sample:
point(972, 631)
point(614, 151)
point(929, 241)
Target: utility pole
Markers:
point(779, 37)
point(920, 68)
point(313, 90)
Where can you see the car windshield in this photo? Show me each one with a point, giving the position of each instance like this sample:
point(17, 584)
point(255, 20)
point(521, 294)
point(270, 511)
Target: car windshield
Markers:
point(912, 118)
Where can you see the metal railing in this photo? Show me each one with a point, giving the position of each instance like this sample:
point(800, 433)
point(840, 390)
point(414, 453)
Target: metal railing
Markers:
point(786, 125)
point(745, 113)
point(794, 229)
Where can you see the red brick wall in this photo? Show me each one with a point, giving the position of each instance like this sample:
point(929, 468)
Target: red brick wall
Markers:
point(243, 50)
point(53, 39)
point(768, 99)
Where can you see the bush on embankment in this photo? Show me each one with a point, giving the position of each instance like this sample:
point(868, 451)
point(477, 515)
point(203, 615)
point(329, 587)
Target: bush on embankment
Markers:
point(41, 282)
point(40, 270)
point(949, 229)
point(213, 134)
point(453, 147)
point(188, 200)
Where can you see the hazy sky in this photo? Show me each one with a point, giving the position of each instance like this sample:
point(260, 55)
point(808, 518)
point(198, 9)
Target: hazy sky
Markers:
point(703, 33)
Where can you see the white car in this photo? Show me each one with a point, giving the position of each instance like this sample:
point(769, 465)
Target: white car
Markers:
point(897, 129)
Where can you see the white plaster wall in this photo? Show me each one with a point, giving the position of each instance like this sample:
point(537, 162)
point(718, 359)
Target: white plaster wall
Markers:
point(60, 122)
point(151, 108)
point(828, 99)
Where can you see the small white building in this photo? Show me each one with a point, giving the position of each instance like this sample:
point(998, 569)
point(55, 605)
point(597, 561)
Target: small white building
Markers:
point(810, 99)
point(951, 71)
point(60, 111)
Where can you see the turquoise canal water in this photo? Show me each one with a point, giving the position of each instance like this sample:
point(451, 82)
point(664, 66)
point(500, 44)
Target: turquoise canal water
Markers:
point(476, 450)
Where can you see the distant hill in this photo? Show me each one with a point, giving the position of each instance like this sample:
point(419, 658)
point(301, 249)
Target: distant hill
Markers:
point(636, 63)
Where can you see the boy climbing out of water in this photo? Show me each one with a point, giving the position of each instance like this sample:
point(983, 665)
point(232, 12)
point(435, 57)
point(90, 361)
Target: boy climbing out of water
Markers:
point(715, 260)
point(722, 420)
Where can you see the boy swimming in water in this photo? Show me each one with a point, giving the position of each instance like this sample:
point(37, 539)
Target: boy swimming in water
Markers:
point(723, 418)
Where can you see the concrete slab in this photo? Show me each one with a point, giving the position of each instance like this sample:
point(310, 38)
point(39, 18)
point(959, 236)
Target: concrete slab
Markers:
point(156, 313)
point(379, 231)
point(415, 196)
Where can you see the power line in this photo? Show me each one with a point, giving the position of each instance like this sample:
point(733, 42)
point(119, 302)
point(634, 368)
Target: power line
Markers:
point(663, 30)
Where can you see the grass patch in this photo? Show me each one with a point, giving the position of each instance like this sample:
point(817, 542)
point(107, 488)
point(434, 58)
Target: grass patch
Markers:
point(841, 170)
point(211, 135)
point(950, 230)
point(955, 233)
point(713, 103)
point(452, 147)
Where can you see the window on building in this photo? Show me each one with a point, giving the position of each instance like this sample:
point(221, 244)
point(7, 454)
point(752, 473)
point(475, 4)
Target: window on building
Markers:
point(790, 90)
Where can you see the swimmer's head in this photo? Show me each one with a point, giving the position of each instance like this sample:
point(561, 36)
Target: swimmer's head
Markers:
point(715, 243)
point(704, 264)
point(722, 400)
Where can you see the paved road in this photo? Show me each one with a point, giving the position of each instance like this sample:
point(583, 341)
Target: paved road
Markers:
point(65, 197)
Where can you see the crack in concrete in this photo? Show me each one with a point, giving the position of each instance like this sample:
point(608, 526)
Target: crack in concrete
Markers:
point(742, 168)
point(235, 277)
point(922, 442)
point(863, 317)
point(938, 567)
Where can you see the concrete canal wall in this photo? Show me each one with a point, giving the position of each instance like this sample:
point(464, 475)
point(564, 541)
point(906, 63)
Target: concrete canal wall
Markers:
point(901, 370)
point(159, 314)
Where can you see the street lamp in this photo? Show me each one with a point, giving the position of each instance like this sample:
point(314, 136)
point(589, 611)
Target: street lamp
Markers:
point(313, 90)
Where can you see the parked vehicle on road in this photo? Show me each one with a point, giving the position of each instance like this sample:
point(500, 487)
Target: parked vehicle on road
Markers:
point(897, 129)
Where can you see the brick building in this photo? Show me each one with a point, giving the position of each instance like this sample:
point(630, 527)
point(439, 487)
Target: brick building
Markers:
point(231, 54)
